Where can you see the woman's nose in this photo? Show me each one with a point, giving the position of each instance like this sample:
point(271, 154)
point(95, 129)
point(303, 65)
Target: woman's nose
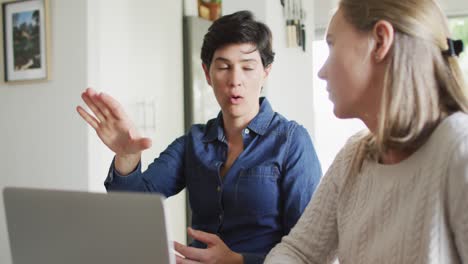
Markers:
point(322, 73)
point(235, 78)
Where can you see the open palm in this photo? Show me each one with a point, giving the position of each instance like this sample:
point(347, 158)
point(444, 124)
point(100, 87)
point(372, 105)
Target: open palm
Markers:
point(112, 124)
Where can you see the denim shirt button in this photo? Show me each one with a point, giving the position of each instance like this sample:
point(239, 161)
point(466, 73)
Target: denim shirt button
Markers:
point(246, 131)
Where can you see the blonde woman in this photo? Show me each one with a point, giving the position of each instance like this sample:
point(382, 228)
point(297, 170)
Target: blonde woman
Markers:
point(399, 192)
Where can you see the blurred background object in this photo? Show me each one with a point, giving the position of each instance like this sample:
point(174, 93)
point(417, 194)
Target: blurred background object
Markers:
point(209, 9)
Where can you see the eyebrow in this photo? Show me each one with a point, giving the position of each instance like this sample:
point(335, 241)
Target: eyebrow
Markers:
point(227, 60)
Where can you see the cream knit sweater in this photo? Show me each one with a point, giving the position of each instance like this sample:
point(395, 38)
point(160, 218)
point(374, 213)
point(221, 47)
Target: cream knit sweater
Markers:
point(415, 211)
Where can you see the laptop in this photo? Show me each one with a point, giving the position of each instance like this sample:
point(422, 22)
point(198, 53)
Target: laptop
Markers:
point(57, 227)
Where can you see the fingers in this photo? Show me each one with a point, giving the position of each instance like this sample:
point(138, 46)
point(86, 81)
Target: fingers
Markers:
point(97, 100)
point(180, 260)
point(87, 117)
point(143, 143)
point(190, 252)
point(207, 238)
point(108, 106)
point(113, 105)
point(103, 106)
point(87, 97)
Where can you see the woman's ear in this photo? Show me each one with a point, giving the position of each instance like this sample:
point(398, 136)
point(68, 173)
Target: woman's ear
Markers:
point(206, 70)
point(383, 34)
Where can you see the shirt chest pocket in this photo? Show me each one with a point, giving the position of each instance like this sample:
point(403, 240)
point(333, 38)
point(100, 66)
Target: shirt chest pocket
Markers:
point(202, 186)
point(257, 191)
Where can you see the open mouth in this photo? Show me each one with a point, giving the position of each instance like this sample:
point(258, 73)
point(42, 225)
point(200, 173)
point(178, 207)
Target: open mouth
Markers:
point(236, 99)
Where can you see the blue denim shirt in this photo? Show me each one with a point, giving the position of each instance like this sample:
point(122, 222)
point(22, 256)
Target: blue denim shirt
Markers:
point(259, 199)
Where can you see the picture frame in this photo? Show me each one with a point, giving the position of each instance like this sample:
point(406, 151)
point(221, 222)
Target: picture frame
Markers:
point(26, 40)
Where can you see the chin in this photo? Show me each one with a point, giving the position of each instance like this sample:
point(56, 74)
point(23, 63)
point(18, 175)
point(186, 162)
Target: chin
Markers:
point(342, 114)
point(237, 114)
point(234, 113)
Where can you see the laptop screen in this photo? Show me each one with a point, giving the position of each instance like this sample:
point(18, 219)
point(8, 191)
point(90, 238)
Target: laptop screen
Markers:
point(56, 227)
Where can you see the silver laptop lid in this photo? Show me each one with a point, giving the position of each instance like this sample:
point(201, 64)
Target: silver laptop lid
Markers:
point(57, 227)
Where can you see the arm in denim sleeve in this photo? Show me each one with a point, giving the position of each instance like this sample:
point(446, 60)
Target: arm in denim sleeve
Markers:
point(165, 175)
point(301, 175)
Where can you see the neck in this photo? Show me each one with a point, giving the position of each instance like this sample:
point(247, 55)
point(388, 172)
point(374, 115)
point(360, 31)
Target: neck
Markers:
point(370, 121)
point(393, 157)
point(233, 126)
point(369, 109)
point(390, 156)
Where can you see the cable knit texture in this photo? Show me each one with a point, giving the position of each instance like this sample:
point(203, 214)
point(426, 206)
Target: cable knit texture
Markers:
point(415, 211)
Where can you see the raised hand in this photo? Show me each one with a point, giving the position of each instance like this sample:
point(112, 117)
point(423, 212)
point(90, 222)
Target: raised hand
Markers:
point(114, 128)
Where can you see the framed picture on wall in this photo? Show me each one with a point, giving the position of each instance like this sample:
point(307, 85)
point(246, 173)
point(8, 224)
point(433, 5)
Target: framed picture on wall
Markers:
point(25, 40)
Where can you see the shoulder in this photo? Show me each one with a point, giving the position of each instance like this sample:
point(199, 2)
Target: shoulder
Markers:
point(449, 135)
point(456, 158)
point(351, 146)
point(281, 125)
point(201, 131)
point(341, 165)
point(453, 127)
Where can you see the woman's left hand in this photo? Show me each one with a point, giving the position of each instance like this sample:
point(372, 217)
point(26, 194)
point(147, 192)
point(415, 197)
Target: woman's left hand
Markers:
point(216, 252)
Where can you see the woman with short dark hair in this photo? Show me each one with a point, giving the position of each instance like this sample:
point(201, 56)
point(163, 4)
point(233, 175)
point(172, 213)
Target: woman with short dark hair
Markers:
point(249, 172)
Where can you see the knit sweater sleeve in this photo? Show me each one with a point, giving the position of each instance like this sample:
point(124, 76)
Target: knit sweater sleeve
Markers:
point(457, 195)
point(314, 239)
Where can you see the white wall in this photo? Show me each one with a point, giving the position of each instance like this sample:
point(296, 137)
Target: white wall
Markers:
point(190, 7)
point(136, 56)
point(43, 143)
point(454, 7)
point(258, 7)
point(323, 11)
point(289, 86)
point(132, 50)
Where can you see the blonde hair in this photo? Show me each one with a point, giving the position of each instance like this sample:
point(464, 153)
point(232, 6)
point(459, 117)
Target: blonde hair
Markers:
point(421, 84)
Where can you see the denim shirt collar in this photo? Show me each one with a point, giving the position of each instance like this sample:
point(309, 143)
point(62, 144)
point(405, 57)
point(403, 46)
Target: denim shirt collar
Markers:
point(258, 125)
